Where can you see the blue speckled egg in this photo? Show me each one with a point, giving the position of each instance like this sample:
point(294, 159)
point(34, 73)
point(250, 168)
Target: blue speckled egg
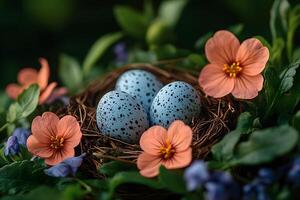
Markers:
point(121, 116)
point(175, 101)
point(140, 84)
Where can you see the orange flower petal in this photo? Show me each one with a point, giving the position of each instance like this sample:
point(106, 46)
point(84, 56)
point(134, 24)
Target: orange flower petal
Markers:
point(179, 160)
point(27, 76)
point(59, 156)
point(148, 164)
point(13, 90)
point(69, 129)
point(47, 92)
point(247, 87)
point(222, 48)
point(215, 82)
point(44, 73)
point(253, 56)
point(180, 135)
point(44, 127)
point(37, 148)
point(153, 139)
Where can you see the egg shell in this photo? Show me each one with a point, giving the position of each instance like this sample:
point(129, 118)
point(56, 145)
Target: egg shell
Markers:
point(121, 116)
point(175, 101)
point(140, 84)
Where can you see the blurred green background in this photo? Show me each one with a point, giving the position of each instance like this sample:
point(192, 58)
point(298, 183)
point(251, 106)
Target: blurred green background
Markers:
point(34, 28)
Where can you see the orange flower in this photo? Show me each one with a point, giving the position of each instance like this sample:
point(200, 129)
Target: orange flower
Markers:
point(234, 68)
point(54, 139)
point(28, 76)
point(170, 148)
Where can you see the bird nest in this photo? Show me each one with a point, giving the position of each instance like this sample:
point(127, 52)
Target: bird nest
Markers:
point(218, 116)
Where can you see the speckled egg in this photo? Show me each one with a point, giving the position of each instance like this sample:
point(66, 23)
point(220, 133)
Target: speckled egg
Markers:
point(121, 116)
point(175, 101)
point(140, 84)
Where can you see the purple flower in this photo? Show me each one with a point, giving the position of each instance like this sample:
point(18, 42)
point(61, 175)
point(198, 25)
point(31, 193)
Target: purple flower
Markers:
point(216, 191)
point(121, 52)
point(66, 167)
point(196, 175)
point(12, 146)
point(294, 173)
point(255, 191)
point(266, 176)
point(22, 134)
point(258, 188)
point(217, 185)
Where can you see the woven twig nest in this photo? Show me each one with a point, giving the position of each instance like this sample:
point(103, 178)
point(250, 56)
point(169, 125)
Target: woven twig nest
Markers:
point(216, 119)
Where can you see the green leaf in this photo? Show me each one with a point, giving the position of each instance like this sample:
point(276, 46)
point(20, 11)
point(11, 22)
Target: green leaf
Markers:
point(236, 29)
point(159, 33)
point(70, 73)
point(28, 100)
point(172, 180)
point(223, 150)
point(287, 77)
point(4, 101)
point(142, 56)
point(98, 49)
point(148, 10)
point(293, 24)
point(73, 192)
point(197, 59)
point(165, 51)
point(245, 123)
point(296, 121)
point(131, 178)
point(112, 168)
point(132, 21)
point(289, 101)
point(276, 51)
point(278, 18)
point(265, 145)
point(14, 113)
point(41, 192)
point(21, 176)
point(276, 86)
point(170, 11)
point(296, 55)
point(2, 119)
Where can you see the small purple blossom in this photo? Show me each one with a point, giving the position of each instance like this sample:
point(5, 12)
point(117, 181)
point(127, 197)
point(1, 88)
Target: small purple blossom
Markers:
point(218, 185)
point(216, 191)
point(258, 188)
point(66, 167)
point(12, 146)
point(22, 134)
point(266, 176)
point(196, 175)
point(294, 172)
point(121, 52)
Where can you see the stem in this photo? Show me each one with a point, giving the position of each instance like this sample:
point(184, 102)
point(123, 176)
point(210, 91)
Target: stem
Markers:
point(289, 44)
point(4, 127)
point(83, 184)
point(271, 106)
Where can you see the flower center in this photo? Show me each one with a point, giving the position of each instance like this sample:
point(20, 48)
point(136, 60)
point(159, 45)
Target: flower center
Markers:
point(167, 151)
point(232, 70)
point(57, 142)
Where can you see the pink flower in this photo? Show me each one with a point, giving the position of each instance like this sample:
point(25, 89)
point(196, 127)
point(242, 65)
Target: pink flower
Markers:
point(234, 68)
point(28, 76)
point(54, 139)
point(170, 148)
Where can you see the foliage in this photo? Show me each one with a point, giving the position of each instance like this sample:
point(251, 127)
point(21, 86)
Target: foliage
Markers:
point(266, 132)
